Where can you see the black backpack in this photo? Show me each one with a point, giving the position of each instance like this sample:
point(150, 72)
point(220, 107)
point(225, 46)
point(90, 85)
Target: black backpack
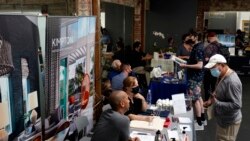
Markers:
point(223, 50)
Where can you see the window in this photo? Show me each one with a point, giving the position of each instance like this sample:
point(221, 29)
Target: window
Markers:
point(5, 96)
point(103, 19)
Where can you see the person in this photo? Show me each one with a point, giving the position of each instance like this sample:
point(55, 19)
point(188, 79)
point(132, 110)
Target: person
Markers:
point(227, 99)
point(184, 49)
point(211, 49)
point(239, 40)
point(119, 54)
point(138, 104)
point(138, 57)
point(117, 81)
point(139, 60)
point(113, 125)
point(106, 39)
point(115, 69)
point(195, 75)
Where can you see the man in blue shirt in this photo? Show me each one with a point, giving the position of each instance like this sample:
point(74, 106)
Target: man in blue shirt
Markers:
point(117, 81)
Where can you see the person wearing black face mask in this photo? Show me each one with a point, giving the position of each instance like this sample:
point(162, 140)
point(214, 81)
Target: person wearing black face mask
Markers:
point(135, 90)
point(138, 103)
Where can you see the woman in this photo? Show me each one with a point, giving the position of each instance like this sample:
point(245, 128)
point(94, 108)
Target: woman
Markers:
point(138, 103)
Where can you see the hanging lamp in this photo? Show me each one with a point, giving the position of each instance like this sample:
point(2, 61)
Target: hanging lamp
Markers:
point(6, 63)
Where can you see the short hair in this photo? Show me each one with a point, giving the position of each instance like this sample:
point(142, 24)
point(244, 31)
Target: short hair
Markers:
point(129, 81)
point(184, 36)
point(136, 44)
point(116, 64)
point(115, 98)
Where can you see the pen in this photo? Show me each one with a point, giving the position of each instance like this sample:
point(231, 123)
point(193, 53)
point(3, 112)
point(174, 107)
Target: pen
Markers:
point(141, 133)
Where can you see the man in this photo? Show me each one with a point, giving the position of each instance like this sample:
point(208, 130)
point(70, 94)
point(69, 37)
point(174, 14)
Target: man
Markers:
point(138, 61)
point(227, 99)
point(212, 49)
point(195, 75)
point(115, 69)
point(117, 81)
point(113, 124)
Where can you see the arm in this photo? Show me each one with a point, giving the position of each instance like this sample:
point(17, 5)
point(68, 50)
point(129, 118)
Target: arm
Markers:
point(199, 65)
point(140, 117)
point(144, 105)
point(134, 139)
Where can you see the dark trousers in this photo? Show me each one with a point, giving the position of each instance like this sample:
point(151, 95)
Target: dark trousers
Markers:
point(209, 84)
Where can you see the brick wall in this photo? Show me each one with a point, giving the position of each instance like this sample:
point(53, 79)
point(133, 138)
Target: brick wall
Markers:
point(121, 2)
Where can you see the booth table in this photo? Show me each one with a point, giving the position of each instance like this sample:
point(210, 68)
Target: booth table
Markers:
point(166, 64)
point(174, 126)
point(161, 90)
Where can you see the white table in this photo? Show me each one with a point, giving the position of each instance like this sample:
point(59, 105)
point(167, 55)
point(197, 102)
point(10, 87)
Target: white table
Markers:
point(173, 126)
point(166, 64)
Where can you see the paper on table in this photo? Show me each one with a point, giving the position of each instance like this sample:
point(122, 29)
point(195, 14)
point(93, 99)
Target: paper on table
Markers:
point(188, 128)
point(173, 134)
point(184, 120)
point(179, 103)
point(142, 136)
point(156, 124)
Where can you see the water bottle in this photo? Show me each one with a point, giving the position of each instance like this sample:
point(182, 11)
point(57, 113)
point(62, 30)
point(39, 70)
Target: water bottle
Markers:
point(149, 98)
point(158, 136)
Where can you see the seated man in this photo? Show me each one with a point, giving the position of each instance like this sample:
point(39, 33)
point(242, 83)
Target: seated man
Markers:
point(115, 70)
point(113, 124)
point(117, 81)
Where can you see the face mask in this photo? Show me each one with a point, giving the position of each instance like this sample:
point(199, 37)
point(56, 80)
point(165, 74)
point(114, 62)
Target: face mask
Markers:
point(135, 90)
point(215, 72)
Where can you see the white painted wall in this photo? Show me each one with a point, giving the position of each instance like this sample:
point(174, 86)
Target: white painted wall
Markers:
point(241, 16)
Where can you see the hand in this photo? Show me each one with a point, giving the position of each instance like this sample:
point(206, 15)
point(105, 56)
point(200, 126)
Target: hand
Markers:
point(213, 98)
point(150, 118)
point(207, 103)
point(135, 139)
point(183, 65)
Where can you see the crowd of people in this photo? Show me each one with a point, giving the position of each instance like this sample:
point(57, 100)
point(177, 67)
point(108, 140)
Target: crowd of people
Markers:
point(206, 69)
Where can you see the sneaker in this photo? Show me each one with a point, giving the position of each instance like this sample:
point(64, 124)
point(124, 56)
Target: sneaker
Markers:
point(204, 122)
point(198, 127)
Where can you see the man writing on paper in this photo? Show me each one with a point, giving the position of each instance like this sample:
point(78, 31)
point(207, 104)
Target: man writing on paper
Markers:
point(227, 99)
point(113, 124)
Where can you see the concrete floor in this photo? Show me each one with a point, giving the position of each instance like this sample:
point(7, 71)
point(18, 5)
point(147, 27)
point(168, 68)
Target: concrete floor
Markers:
point(208, 134)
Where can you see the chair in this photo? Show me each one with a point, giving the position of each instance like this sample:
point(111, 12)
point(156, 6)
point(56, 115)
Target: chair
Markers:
point(63, 126)
point(81, 126)
point(37, 138)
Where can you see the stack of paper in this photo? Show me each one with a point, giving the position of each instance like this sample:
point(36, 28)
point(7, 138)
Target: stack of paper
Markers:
point(156, 124)
point(142, 136)
point(179, 103)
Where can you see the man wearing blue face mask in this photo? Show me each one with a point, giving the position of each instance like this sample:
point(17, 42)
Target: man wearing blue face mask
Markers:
point(227, 99)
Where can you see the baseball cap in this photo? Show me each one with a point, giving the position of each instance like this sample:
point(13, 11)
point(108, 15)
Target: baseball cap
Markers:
point(211, 34)
point(217, 58)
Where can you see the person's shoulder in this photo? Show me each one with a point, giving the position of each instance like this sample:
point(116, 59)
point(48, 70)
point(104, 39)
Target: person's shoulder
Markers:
point(119, 117)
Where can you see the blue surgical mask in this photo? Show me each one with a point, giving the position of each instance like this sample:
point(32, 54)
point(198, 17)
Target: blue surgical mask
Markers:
point(215, 72)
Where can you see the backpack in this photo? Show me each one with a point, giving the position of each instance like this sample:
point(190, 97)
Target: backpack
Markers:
point(223, 50)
